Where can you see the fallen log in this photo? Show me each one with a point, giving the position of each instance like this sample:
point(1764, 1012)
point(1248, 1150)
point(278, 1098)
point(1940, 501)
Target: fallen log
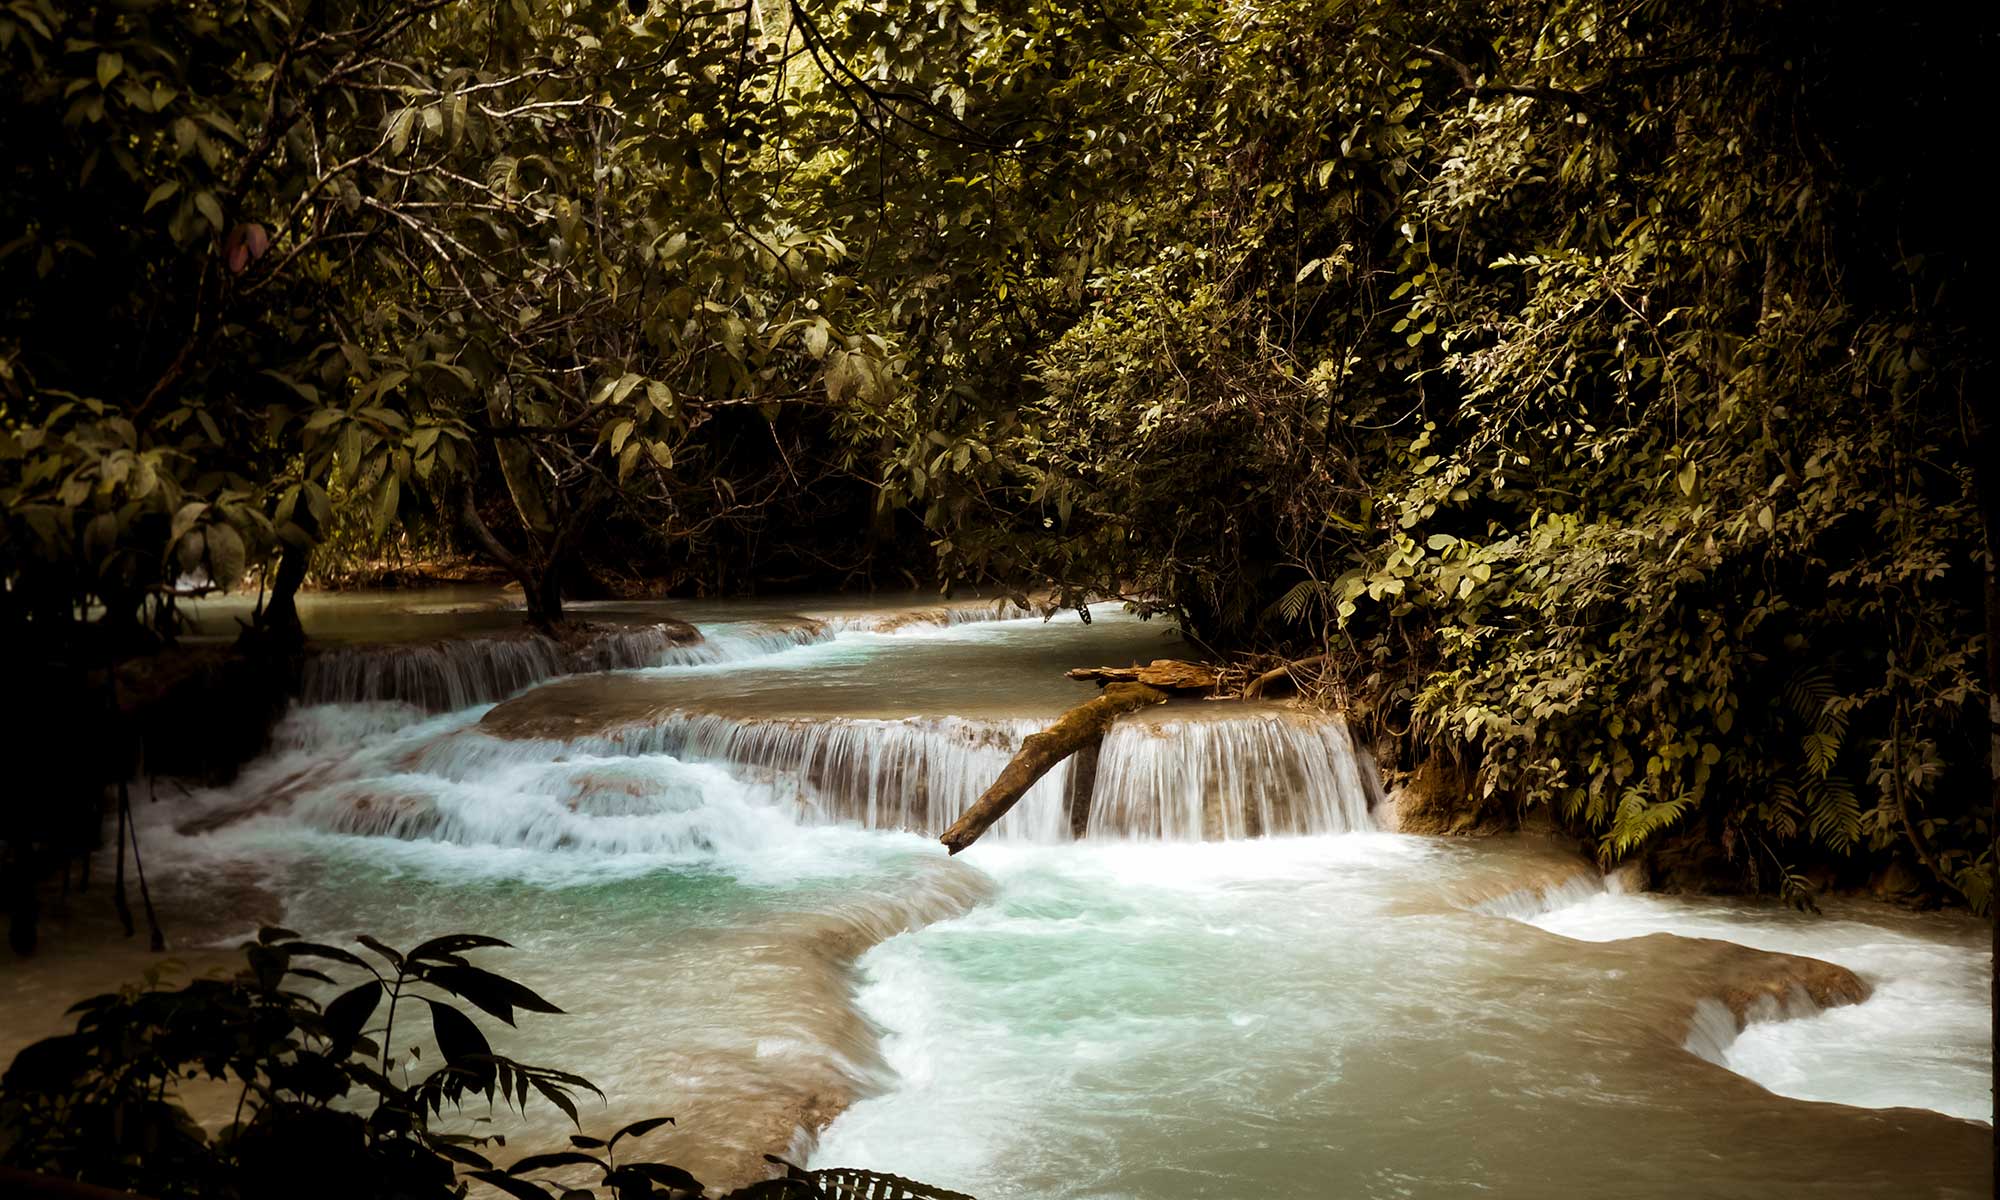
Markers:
point(1167, 674)
point(1040, 752)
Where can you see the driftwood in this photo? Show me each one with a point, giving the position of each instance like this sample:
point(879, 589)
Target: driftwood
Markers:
point(1255, 688)
point(1167, 674)
point(1081, 726)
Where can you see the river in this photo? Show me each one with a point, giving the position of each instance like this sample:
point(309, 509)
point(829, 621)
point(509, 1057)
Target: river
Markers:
point(715, 859)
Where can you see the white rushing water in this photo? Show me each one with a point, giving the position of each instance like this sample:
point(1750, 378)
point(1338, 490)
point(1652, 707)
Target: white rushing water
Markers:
point(1920, 1039)
point(720, 860)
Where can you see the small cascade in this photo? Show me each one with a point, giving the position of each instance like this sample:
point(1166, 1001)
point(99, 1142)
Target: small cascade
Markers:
point(639, 806)
point(1223, 778)
point(456, 673)
point(387, 769)
point(1576, 886)
point(916, 774)
point(737, 641)
point(640, 786)
point(1185, 780)
point(942, 616)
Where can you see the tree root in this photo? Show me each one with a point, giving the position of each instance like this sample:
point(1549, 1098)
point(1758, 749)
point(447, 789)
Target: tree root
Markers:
point(1254, 690)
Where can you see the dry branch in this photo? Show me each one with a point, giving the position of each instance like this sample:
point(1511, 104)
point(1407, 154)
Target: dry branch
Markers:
point(1255, 688)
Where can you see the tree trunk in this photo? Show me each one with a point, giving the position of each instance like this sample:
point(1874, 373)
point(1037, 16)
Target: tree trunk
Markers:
point(1081, 726)
point(544, 593)
point(541, 580)
point(281, 614)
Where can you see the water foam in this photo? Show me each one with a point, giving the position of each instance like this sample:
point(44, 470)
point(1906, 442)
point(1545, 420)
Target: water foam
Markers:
point(1227, 778)
point(1920, 1039)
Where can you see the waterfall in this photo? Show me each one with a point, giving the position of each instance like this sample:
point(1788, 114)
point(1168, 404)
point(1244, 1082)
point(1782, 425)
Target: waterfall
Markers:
point(454, 673)
point(1218, 778)
point(646, 786)
point(916, 774)
point(457, 673)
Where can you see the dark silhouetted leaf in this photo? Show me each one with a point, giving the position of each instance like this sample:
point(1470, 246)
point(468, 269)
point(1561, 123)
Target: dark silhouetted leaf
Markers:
point(557, 1097)
point(460, 1154)
point(459, 1040)
point(659, 1173)
point(315, 950)
point(640, 1129)
point(513, 1187)
point(560, 1158)
point(349, 1012)
point(494, 994)
point(455, 943)
point(387, 952)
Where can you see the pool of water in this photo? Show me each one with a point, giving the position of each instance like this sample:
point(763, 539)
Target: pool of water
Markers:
point(724, 868)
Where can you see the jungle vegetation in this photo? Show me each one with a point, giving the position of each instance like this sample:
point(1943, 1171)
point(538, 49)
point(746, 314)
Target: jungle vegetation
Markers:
point(327, 1102)
point(1597, 388)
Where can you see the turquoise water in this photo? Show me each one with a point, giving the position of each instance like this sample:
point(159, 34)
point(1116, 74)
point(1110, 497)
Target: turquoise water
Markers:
point(725, 871)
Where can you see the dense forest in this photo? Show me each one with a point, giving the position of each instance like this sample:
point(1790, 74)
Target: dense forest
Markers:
point(1592, 391)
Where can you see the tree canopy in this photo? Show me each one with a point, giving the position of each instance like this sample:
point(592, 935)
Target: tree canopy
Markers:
point(1598, 384)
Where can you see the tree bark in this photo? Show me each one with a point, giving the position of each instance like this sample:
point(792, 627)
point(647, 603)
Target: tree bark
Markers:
point(541, 582)
point(1081, 726)
point(281, 615)
point(544, 594)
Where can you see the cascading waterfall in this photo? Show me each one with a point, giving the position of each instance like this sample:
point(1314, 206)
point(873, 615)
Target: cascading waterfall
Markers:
point(1215, 779)
point(460, 672)
point(644, 787)
point(455, 673)
point(914, 774)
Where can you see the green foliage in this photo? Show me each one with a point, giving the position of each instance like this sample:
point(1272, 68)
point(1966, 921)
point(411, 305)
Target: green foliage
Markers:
point(1585, 376)
point(328, 1104)
point(263, 258)
point(1594, 380)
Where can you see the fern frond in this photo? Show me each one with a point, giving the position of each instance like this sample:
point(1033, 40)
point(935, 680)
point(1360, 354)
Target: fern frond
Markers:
point(1835, 814)
point(1641, 817)
point(1292, 605)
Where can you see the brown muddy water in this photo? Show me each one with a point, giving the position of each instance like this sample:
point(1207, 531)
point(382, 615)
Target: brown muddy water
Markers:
point(719, 861)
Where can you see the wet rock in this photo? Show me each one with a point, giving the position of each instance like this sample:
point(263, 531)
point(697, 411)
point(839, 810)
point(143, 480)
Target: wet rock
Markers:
point(1896, 881)
point(1629, 876)
point(1692, 863)
point(1440, 798)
